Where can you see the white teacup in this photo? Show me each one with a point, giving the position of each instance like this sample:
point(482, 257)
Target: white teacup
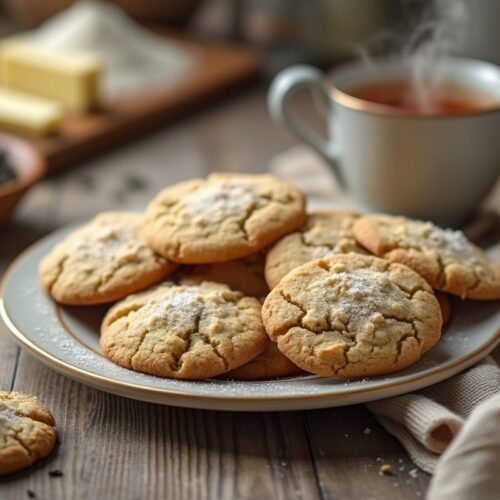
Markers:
point(437, 167)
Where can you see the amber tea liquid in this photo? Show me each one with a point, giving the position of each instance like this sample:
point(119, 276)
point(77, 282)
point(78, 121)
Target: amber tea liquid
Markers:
point(444, 99)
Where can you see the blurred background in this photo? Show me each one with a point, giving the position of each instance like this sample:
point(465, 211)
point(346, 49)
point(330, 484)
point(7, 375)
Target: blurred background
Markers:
point(213, 59)
point(282, 31)
point(288, 31)
point(105, 103)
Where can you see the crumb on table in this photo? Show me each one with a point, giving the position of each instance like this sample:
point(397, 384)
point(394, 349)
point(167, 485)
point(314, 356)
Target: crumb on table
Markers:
point(386, 469)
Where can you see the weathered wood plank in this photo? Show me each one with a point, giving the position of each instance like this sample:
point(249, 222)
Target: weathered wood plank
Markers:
point(348, 447)
point(112, 447)
point(8, 360)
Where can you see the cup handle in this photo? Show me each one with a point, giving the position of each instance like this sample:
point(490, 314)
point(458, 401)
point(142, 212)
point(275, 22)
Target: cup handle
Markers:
point(279, 101)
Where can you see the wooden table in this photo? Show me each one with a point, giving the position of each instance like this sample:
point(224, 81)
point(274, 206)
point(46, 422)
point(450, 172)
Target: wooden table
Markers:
point(116, 448)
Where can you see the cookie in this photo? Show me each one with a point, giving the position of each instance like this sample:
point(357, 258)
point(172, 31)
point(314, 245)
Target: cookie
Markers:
point(27, 431)
point(352, 315)
point(184, 331)
point(326, 232)
point(245, 275)
point(445, 258)
point(223, 217)
point(270, 364)
point(103, 261)
point(445, 305)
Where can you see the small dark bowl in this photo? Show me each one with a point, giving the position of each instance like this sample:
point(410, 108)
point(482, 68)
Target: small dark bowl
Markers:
point(29, 166)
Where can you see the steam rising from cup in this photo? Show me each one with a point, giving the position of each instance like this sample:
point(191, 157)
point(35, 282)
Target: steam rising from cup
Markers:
point(423, 43)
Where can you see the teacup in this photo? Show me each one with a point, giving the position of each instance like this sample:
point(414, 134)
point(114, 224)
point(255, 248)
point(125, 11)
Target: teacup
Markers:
point(435, 167)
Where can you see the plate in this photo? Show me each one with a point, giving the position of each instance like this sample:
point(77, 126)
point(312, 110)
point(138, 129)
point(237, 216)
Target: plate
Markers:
point(67, 340)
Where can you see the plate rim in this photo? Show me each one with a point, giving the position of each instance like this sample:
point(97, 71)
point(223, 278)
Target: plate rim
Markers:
point(103, 383)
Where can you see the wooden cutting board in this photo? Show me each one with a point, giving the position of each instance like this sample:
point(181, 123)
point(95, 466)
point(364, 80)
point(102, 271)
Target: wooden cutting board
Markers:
point(219, 68)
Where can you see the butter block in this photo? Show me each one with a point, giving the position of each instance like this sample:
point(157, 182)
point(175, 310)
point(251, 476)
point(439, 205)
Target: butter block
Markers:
point(71, 78)
point(27, 113)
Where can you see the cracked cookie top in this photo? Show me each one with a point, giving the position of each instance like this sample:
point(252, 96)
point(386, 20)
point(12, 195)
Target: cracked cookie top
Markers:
point(326, 232)
point(245, 275)
point(352, 315)
point(445, 258)
point(184, 331)
point(103, 261)
point(222, 217)
point(27, 431)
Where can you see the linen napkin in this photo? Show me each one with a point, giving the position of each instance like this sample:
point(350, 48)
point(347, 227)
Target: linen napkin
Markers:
point(470, 467)
point(427, 421)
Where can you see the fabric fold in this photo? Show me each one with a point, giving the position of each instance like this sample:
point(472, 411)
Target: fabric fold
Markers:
point(430, 423)
point(470, 467)
point(427, 421)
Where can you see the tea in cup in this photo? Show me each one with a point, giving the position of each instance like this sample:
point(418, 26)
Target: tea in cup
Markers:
point(430, 152)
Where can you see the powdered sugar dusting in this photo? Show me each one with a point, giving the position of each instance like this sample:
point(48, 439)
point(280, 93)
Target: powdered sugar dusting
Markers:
point(8, 415)
point(361, 295)
point(188, 297)
point(221, 200)
point(450, 243)
point(455, 240)
point(113, 239)
point(187, 302)
point(451, 240)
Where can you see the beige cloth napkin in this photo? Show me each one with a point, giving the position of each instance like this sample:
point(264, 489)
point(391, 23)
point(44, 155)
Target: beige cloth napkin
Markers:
point(427, 421)
point(470, 467)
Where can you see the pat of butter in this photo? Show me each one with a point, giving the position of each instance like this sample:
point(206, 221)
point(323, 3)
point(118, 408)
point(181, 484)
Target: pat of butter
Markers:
point(27, 113)
point(71, 78)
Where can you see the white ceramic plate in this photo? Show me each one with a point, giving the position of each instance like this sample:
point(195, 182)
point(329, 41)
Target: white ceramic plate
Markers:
point(67, 340)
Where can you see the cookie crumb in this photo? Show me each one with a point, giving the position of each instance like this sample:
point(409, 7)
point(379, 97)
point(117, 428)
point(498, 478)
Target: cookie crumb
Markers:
point(56, 473)
point(31, 493)
point(386, 469)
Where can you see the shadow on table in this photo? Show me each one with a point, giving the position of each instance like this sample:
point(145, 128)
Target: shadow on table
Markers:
point(15, 237)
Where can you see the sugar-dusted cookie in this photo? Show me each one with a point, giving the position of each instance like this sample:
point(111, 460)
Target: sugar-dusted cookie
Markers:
point(352, 315)
point(245, 275)
point(326, 232)
point(269, 364)
point(27, 431)
point(184, 330)
point(445, 258)
point(222, 217)
point(103, 261)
